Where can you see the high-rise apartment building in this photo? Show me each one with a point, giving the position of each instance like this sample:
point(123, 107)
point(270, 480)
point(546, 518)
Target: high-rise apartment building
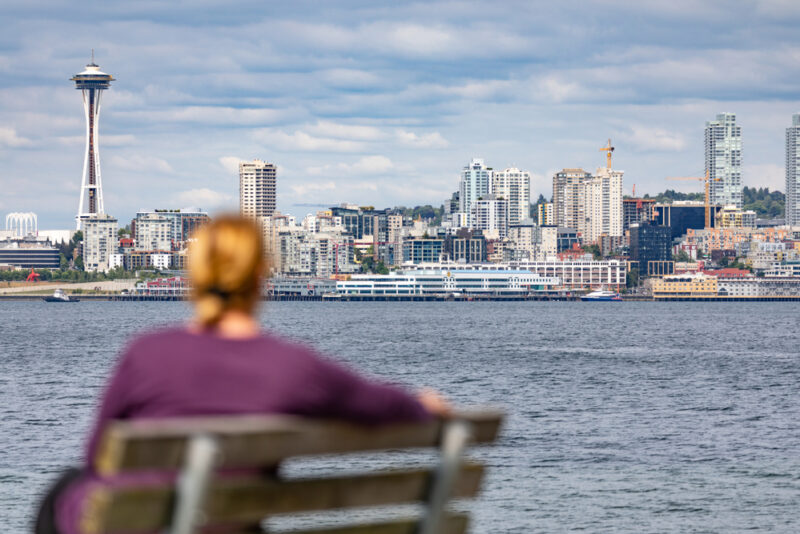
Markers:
point(257, 187)
point(603, 205)
point(476, 181)
point(568, 197)
point(591, 204)
point(545, 215)
point(793, 172)
point(636, 210)
point(152, 232)
point(513, 185)
point(723, 154)
point(490, 214)
point(99, 241)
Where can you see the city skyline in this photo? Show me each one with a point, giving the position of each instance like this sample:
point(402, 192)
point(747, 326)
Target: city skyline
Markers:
point(385, 110)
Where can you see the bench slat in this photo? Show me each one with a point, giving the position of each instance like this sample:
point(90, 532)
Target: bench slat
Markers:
point(248, 500)
point(451, 524)
point(258, 440)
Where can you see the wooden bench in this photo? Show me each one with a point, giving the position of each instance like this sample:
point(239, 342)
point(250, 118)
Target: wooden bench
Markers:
point(205, 498)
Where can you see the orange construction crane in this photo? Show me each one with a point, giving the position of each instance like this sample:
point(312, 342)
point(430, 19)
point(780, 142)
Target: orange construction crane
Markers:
point(608, 149)
point(707, 181)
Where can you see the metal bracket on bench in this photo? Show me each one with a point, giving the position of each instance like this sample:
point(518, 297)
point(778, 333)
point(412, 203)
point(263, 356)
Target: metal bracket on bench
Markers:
point(454, 440)
point(192, 487)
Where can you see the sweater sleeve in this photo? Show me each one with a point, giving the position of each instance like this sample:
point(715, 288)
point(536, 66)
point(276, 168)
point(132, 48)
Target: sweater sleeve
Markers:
point(347, 395)
point(113, 404)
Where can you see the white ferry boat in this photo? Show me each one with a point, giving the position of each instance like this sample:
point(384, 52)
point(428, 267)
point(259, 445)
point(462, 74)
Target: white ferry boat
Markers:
point(602, 295)
point(447, 282)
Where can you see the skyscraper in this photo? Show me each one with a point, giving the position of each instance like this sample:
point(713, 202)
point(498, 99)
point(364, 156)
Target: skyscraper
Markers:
point(92, 82)
point(513, 185)
point(257, 186)
point(490, 214)
point(475, 183)
point(603, 205)
point(569, 208)
point(793, 172)
point(724, 160)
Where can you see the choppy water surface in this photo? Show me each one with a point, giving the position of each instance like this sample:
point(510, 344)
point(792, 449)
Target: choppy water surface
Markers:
point(624, 417)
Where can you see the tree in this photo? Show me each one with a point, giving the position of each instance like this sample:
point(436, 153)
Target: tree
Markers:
point(79, 263)
point(632, 278)
point(594, 250)
point(534, 210)
point(63, 264)
point(681, 256)
point(764, 202)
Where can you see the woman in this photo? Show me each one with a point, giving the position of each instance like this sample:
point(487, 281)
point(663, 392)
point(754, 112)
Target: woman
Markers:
point(222, 363)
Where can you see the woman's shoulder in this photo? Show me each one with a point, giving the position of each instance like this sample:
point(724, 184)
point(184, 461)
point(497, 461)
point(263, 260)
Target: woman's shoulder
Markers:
point(159, 336)
point(182, 336)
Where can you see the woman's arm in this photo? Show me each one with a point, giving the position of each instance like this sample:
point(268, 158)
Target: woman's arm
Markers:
point(113, 404)
point(348, 395)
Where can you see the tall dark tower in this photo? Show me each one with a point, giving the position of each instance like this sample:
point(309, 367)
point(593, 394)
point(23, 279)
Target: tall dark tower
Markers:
point(91, 82)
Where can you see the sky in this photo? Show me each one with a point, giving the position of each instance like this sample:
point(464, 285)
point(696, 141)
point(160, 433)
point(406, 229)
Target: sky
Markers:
point(382, 103)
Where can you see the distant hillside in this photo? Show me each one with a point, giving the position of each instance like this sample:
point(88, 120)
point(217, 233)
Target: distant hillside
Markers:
point(427, 212)
point(767, 204)
point(670, 195)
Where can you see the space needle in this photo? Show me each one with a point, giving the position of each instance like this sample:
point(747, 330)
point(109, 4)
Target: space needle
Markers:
point(91, 82)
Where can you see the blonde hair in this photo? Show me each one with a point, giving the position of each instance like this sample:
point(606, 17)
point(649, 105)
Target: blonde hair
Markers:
point(226, 264)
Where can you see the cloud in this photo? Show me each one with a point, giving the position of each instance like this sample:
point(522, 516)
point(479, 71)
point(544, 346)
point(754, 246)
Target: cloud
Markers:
point(230, 164)
point(10, 138)
point(655, 139)
point(305, 189)
point(105, 140)
point(300, 141)
point(205, 198)
point(346, 131)
point(554, 88)
point(372, 165)
point(350, 78)
point(430, 140)
point(141, 163)
point(213, 115)
point(765, 175)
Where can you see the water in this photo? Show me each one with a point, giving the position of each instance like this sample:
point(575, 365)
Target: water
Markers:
point(623, 417)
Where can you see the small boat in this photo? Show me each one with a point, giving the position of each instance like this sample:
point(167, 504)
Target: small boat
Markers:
point(602, 295)
point(60, 296)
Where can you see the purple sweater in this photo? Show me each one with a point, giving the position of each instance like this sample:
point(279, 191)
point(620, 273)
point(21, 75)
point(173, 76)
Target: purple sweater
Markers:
point(176, 372)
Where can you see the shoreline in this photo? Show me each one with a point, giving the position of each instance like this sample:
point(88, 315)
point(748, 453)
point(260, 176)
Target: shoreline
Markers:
point(415, 298)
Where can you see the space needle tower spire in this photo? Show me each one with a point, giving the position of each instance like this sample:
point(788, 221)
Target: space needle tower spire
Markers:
point(91, 82)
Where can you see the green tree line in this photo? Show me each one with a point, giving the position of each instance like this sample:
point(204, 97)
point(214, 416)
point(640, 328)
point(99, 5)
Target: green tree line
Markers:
point(766, 203)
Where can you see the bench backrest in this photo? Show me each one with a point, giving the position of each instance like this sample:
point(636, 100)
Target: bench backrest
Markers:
point(198, 448)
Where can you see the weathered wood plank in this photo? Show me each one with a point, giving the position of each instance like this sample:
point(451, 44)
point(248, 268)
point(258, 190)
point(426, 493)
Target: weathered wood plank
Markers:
point(248, 500)
point(451, 524)
point(255, 440)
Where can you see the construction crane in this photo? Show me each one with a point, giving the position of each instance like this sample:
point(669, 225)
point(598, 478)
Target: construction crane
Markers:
point(707, 181)
point(608, 149)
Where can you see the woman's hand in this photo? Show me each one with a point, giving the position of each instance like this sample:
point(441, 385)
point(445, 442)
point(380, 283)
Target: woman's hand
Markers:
point(432, 401)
